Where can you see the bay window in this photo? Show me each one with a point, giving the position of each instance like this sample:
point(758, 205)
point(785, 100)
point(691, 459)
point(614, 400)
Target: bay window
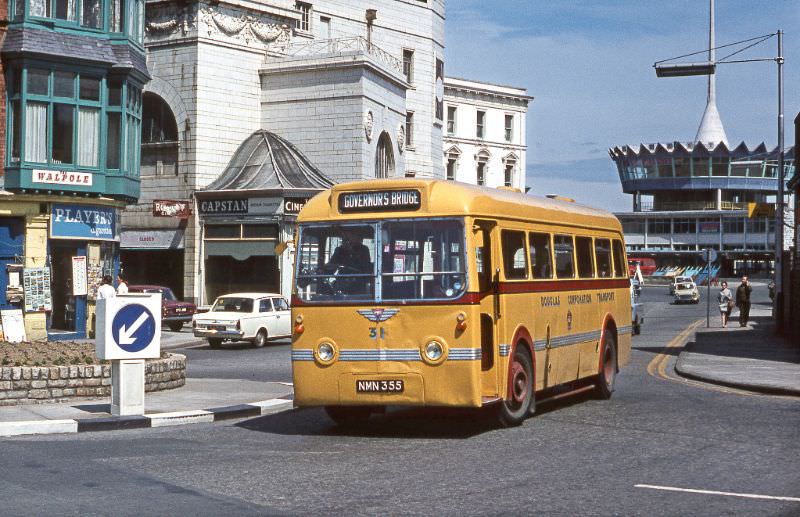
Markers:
point(72, 120)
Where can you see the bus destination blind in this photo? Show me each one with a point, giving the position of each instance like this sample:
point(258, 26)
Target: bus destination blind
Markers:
point(379, 201)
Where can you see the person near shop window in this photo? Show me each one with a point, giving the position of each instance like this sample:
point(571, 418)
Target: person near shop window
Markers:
point(106, 290)
point(122, 284)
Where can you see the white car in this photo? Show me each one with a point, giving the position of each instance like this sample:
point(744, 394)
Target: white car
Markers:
point(255, 317)
point(687, 292)
point(679, 280)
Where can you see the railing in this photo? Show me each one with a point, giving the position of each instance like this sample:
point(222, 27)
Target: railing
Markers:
point(680, 206)
point(334, 46)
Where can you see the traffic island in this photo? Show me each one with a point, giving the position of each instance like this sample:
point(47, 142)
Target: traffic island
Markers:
point(45, 372)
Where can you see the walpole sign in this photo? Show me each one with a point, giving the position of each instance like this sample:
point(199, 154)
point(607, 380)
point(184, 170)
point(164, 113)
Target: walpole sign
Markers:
point(171, 208)
point(61, 177)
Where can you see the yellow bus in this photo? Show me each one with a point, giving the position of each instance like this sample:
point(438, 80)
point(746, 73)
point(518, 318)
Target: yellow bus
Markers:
point(415, 292)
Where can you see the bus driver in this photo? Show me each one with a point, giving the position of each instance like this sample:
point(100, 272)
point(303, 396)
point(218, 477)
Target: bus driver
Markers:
point(351, 253)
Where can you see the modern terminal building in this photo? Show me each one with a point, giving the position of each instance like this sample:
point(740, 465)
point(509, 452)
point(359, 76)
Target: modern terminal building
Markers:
point(74, 74)
point(689, 196)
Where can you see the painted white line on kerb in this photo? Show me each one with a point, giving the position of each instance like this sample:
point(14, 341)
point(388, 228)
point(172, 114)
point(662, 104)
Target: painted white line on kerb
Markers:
point(714, 492)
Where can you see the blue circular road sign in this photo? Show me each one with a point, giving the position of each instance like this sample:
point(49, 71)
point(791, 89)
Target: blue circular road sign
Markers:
point(133, 327)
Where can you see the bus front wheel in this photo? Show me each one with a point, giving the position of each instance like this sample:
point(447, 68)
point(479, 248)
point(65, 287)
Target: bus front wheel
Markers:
point(349, 416)
point(516, 407)
point(608, 367)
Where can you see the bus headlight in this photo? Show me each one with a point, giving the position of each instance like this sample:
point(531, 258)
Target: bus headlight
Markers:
point(326, 352)
point(434, 352)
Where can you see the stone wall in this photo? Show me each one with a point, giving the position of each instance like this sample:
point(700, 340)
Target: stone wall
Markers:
point(44, 384)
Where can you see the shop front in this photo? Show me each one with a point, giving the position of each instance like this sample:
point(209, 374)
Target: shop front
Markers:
point(242, 241)
point(153, 257)
point(247, 217)
point(83, 246)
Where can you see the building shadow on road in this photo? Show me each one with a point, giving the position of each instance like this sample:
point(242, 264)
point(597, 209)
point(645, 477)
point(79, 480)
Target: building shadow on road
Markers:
point(757, 341)
point(671, 350)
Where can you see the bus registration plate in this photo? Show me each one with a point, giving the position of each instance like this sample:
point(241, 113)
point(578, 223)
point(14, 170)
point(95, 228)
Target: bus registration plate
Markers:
point(385, 386)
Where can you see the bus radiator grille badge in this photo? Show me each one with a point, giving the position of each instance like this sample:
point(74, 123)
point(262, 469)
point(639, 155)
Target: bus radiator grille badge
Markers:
point(378, 315)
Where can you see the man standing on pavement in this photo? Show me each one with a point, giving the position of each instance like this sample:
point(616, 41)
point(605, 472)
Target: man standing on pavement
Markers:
point(743, 301)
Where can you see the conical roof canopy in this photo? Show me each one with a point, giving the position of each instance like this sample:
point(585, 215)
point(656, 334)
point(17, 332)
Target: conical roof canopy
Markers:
point(267, 161)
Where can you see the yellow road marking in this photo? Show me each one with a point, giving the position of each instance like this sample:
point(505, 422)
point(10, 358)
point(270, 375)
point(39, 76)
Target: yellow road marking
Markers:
point(659, 362)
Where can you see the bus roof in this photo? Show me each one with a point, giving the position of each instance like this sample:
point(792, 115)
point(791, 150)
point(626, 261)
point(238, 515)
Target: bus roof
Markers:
point(450, 198)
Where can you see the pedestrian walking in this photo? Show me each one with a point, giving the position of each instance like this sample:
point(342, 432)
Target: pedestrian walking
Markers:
point(743, 301)
point(106, 290)
point(725, 299)
point(122, 284)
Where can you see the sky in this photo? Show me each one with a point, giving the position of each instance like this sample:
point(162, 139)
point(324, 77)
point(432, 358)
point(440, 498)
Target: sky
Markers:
point(589, 67)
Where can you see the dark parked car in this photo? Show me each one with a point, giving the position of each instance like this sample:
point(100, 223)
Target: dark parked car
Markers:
point(174, 313)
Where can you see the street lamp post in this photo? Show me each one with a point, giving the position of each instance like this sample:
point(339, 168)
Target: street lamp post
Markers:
point(709, 68)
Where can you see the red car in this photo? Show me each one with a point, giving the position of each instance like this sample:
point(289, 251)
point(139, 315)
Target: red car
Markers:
point(174, 313)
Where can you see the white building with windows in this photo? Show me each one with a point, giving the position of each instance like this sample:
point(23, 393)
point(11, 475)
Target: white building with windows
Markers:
point(255, 105)
point(484, 133)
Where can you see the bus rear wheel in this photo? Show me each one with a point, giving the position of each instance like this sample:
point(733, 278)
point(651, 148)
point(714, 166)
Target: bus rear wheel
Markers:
point(517, 406)
point(349, 416)
point(608, 367)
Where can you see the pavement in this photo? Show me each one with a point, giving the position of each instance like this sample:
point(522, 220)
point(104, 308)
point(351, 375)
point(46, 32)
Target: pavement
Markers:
point(752, 358)
point(200, 400)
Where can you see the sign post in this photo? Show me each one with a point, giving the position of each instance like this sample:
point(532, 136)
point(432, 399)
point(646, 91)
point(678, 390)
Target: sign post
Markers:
point(709, 255)
point(128, 332)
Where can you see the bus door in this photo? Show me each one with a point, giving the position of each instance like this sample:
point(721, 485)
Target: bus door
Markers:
point(485, 235)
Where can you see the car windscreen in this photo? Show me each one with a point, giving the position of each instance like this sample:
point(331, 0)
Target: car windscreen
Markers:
point(233, 304)
point(409, 259)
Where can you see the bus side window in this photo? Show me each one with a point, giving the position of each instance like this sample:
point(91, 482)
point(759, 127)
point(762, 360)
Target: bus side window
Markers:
point(565, 261)
point(602, 251)
point(483, 259)
point(619, 260)
point(541, 258)
point(515, 260)
point(583, 246)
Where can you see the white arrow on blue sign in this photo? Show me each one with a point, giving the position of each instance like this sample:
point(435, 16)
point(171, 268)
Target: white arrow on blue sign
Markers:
point(133, 327)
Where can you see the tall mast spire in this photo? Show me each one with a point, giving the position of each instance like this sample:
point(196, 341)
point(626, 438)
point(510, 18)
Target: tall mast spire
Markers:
point(711, 132)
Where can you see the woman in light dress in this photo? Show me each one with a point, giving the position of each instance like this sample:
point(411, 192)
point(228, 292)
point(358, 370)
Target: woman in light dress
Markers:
point(725, 298)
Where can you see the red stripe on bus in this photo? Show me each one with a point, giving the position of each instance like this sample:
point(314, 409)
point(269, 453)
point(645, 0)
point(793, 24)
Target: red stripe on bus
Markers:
point(563, 285)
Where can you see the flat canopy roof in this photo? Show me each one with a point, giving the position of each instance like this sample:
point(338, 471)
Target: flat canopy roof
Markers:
point(450, 198)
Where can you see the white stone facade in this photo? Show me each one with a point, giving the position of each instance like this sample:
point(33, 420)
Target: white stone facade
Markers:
point(225, 69)
point(490, 151)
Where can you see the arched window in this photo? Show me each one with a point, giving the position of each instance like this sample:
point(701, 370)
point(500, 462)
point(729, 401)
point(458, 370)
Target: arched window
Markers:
point(453, 154)
point(384, 157)
point(481, 166)
point(159, 137)
point(509, 170)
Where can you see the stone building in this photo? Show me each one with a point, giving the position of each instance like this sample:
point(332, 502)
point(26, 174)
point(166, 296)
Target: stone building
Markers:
point(74, 74)
point(484, 133)
point(354, 88)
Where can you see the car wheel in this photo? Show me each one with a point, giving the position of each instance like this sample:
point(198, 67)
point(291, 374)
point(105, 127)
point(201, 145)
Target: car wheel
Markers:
point(214, 343)
point(260, 339)
point(608, 367)
point(513, 411)
point(175, 326)
point(637, 327)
